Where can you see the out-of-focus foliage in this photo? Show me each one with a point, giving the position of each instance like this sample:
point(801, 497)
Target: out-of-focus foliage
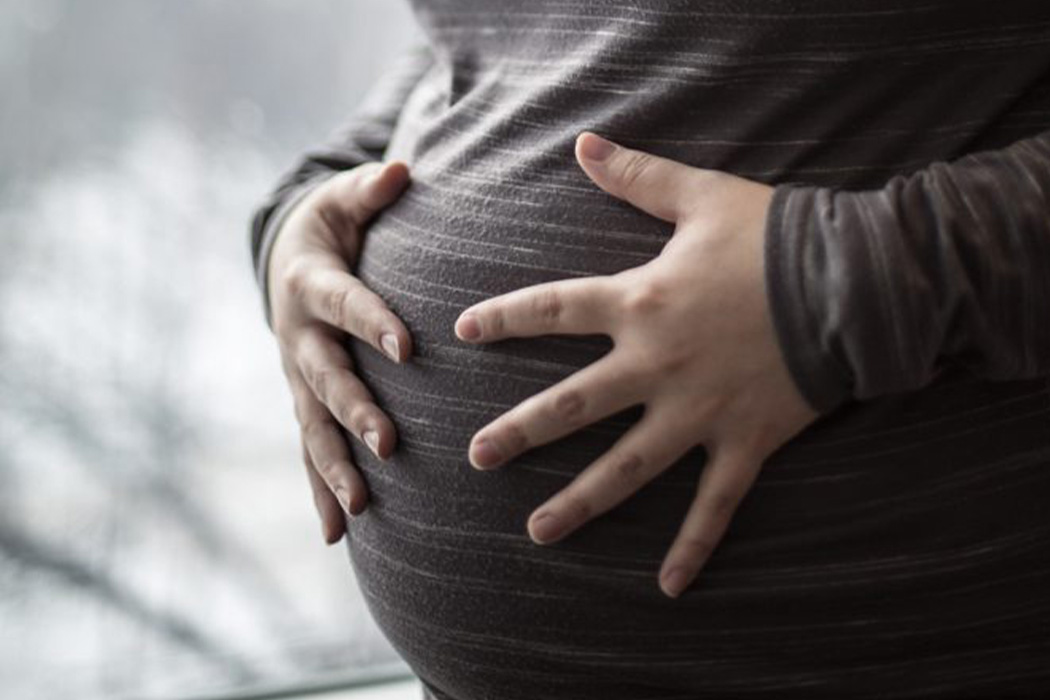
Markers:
point(156, 533)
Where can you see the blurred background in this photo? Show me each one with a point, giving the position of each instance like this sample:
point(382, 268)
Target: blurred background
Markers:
point(157, 536)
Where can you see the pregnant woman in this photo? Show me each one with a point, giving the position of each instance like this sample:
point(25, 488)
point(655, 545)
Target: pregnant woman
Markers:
point(751, 400)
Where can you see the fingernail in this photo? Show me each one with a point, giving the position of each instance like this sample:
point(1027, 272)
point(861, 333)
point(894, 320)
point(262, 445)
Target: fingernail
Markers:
point(469, 328)
point(372, 440)
point(389, 343)
point(596, 148)
point(343, 496)
point(546, 527)
point(485, 454)
point(675, 581)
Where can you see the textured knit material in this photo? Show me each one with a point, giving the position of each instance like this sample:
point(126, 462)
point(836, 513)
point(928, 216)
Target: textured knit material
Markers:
point(897, 548)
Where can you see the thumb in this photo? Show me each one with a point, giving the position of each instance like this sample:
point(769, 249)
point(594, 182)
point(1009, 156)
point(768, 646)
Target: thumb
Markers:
point(371, 187)
point(658, 186)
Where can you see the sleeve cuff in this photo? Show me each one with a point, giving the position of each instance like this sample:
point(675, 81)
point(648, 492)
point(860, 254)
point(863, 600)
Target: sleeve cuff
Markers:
point(792, 265)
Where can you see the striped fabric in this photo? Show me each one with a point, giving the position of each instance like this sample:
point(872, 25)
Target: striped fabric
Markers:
point(900, 546)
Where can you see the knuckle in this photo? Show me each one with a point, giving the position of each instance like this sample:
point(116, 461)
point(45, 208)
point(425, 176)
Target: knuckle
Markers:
point(628, 469)
point(645, 298)
point(295, 276)
point(576, 508)
point(633, 169)
point(339, 304)
point(492, 322)
point(514, 438)
point(669, 362)
point(322, 380)
point(548, 306)
point(568, 406)
point(721, 504)
point(330, 208)
point(315, 429)
point(355, 414)
point(697, 547)
point(331, 472)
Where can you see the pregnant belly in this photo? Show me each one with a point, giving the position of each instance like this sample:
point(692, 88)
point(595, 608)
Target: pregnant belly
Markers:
point(879, 543)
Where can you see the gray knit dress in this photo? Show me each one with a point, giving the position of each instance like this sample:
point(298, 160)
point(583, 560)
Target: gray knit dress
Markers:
point(897, 548)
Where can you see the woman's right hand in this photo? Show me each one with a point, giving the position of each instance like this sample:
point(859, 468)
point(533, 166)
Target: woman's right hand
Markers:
point(314, 300)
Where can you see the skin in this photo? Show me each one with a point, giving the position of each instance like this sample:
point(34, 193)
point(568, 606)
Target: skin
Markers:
point(315, 300)
point(692, 332)
point(693, 341)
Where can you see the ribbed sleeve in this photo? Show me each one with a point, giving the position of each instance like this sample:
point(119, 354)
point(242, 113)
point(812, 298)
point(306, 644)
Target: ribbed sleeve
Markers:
point(874, 292)
point(363, 138)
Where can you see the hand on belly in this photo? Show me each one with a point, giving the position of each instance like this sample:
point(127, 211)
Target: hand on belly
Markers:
point(315, 300)
point(693, 341)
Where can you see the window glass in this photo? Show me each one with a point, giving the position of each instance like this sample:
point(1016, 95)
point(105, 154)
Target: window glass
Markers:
point(157, 536)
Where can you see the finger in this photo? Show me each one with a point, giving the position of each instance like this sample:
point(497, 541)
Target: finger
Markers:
point(598, 390)
point(658, 186)
point(580, 305)
point(724, 482)
point(648, 448)
point(360, 193)
point(328, 371)
point(328, 450)
point(339, 299)
point(333, 522)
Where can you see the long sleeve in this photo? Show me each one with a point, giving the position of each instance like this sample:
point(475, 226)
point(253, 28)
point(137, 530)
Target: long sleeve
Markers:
point(362, 139)
point(876, 291)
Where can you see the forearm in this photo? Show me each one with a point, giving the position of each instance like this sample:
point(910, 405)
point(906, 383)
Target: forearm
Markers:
point(874, 292)
point(362, 139)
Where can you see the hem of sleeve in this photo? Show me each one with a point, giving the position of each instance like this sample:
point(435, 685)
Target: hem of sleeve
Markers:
point(273, 226)
point(817, 375)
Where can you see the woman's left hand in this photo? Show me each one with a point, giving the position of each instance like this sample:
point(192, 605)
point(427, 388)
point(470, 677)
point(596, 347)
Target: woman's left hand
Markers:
point(693, 341)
